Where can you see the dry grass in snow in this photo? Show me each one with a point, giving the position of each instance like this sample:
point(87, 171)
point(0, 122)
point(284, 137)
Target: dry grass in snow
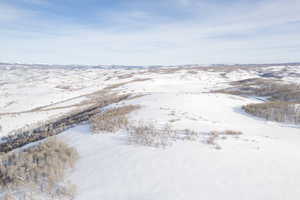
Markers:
point(40, 168)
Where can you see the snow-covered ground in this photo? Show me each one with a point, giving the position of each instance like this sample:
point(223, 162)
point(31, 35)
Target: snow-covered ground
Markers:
point(262, 163)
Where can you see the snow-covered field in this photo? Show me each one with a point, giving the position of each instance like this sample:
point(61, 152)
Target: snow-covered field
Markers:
point(262, 163)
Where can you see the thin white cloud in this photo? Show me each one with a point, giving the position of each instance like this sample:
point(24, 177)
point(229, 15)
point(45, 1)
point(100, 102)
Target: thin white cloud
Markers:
point(37, 2)
point(198, 40)
point(9, 13)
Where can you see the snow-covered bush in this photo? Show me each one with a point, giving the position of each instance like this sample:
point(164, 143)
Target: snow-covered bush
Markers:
point(111, 120)
point(40, 168)
point(276, 111)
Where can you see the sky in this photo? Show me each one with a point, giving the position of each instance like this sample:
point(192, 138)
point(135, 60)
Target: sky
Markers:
point(149, 32)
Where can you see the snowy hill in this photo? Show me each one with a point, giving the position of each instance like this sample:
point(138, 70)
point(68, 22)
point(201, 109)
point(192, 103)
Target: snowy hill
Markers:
point(261, 163)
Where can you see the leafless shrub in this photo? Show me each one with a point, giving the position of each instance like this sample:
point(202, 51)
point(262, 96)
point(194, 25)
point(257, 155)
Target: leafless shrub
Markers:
point(112, 120)
point(40, 168)
point(187, 134)
point(226, 132)
point(276, 111)
point(214, 135)
point(149, 135)
point(231, 132)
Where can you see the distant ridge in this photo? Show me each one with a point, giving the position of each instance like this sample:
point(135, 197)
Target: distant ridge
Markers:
point(77, 66)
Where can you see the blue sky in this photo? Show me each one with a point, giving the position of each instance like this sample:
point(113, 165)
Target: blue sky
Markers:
point(149, 32)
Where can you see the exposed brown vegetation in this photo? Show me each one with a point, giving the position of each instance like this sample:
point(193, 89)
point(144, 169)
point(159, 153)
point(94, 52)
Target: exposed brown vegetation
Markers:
point(276, 111)
point(231, 132)
point(112, 119)
point(116, 85)
point(40, 168)
point(125, 76)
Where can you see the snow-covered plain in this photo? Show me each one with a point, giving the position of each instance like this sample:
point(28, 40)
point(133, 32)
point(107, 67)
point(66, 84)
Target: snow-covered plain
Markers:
point(262, 163)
